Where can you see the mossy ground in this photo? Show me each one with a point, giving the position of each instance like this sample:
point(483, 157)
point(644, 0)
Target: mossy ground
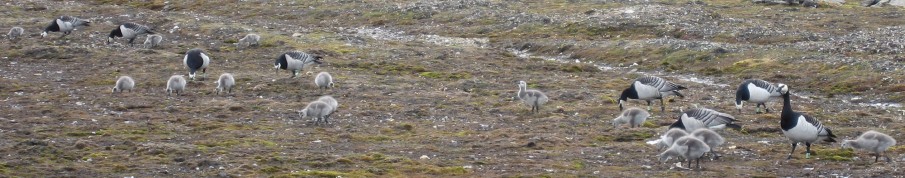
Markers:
point(401, 99)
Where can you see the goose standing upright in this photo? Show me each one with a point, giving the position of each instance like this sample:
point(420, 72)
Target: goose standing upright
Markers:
point(129, 31)
point(64, 24)
point(756, 91)
point(650, 88)
point(799, 127)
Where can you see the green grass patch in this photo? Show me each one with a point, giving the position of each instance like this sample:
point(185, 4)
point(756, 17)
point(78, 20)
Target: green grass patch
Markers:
point(834, 154)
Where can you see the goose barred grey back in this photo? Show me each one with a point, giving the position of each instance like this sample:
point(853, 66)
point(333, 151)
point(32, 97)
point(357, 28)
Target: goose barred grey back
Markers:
point(65, 24)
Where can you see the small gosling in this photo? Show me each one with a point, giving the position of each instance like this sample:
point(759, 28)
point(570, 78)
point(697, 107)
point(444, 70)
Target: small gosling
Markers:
point(176, 84)
point(872, 141)
point(634, 116)
point(124, 83)
point(226, 83)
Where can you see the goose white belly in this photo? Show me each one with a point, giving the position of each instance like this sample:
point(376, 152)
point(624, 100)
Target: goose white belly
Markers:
point(207, 60)
point(757, 94)
point(646, 92)
point(64, 26)
point(802, 132)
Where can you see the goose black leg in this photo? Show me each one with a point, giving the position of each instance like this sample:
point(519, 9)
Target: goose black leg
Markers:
point(662, 105)
point(808, 153)
point(793, 150)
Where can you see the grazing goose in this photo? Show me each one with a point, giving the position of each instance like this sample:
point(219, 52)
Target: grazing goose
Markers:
point(15, 32)
point(650, 88)
point(124, 83)
point(703, 118)
point(294, 61)
point(801, 128)
point(153, 41)
point(195, 60)
point(64, 24)
point(710, 137)
point(225, 83)
point(756, 91)
point(129, 31)
point(634, 116)
point(176, 84)
point(533, 98)
point(872, 141)
point(687, 147)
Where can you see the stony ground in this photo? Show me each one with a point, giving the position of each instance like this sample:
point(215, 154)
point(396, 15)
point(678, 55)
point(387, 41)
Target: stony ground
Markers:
point(426, 87)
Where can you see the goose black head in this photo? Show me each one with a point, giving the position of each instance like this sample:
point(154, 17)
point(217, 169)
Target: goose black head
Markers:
point(317, 60)
point(626, 94)
point(113, 34)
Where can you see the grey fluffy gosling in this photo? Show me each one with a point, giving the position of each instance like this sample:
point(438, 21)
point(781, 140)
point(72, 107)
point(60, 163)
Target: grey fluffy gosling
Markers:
point(711, 138)
point(15, 32)
point(687, 147)
point(872, 141)
point(249, 40)
point(323, 81)
point(226, 83)
point(633, 116)
point(330, 101)
point(533, 98)
point(318, 110)
point(124, 83)
point(176, 84)
point(153, 41)
point(667, 139)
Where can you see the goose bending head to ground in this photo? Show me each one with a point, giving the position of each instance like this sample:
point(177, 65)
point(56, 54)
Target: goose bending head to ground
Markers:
point(129, 31)
point(533, 98)
point(756, 91)
point(196, 59)
point(801, 128)
point(872, 141)
point(64, 24)
point(633, 116)
point(703, 118)
point(295, 61)
point(650, 88)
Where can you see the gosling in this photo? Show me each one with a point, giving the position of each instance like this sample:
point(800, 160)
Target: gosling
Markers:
point(153, 41)
point(317, 109)
point(249, 40)
point(330, 101)
point(634, 116)
point(176, 84)
point(667, 139)
point(323, 81)
point(711, 138)
point(225, 83)
point(533, 98)
point(124, 83)
point(14, 33)
point(687, 147)
point(872, 141)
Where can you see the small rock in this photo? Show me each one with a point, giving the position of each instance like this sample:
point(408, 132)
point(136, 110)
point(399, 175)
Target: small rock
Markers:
point(82, 144)
point(424, 157)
